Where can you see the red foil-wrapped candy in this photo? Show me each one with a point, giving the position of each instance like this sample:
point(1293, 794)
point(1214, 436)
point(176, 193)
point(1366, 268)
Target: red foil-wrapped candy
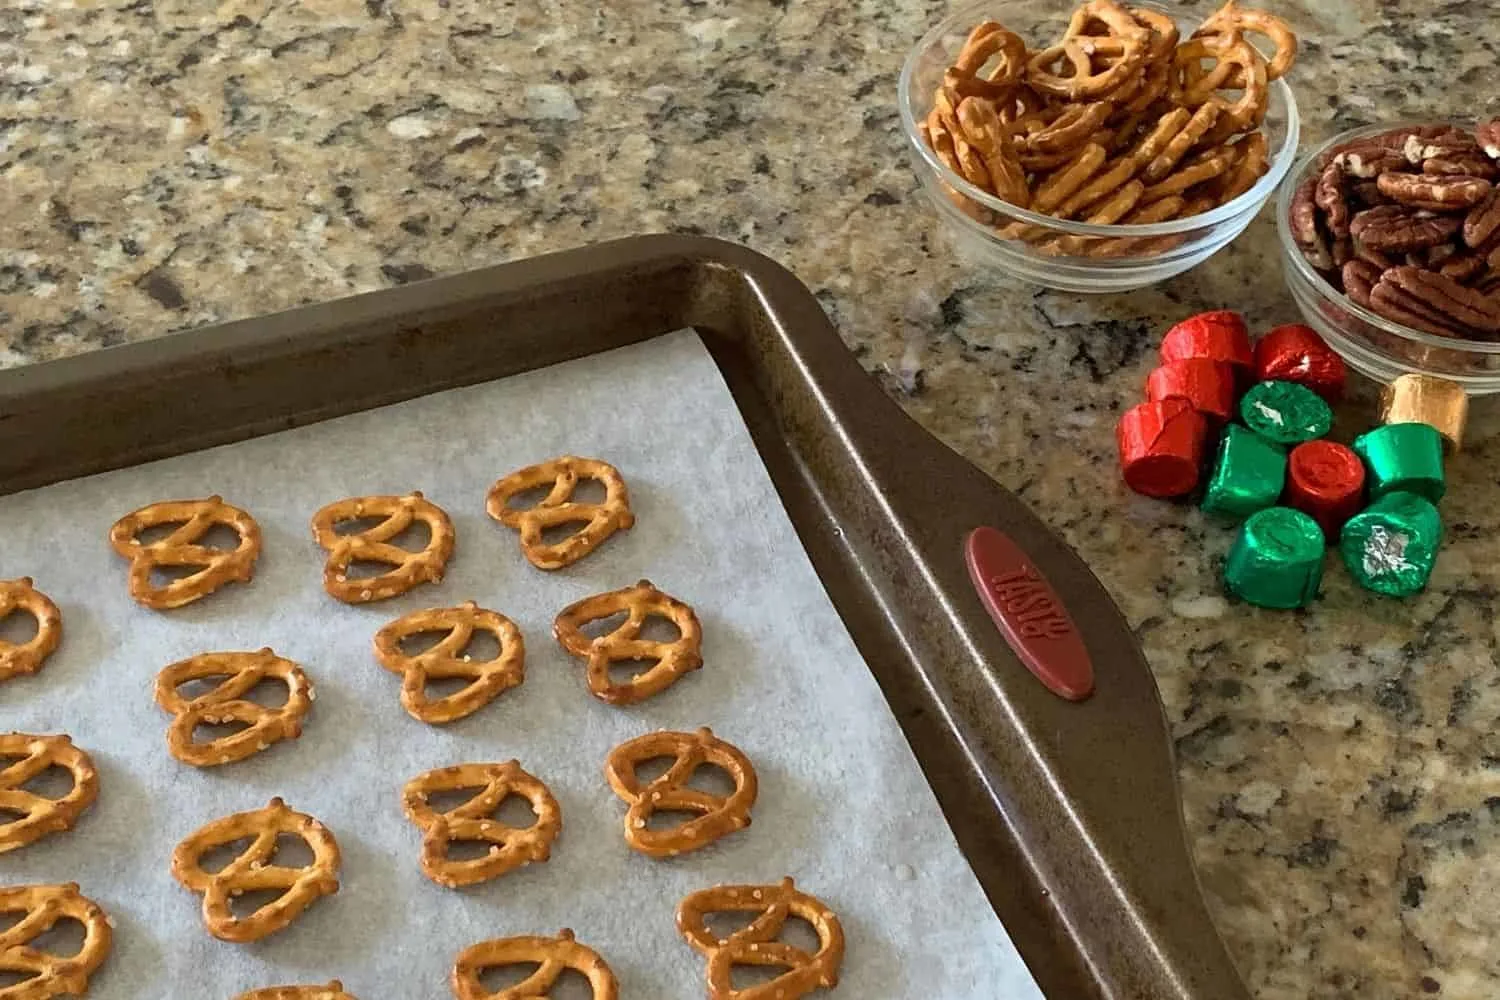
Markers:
point(1295, 353)
point(1326, 481)
point(1217, 336)
point(1208, 385)
point(1161, 447)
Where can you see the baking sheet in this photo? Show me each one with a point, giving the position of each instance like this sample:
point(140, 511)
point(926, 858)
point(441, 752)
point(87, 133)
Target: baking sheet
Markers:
point(843, 807)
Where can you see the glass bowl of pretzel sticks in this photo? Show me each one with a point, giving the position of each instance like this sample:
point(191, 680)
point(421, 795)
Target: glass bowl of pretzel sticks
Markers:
point(1099, 147)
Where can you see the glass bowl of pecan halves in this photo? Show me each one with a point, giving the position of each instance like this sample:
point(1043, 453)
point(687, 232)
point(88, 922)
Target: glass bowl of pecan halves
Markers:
point(1391, 240)
point(1104, 146)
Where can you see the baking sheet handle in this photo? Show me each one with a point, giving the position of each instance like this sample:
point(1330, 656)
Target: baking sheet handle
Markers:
point(1087, 789)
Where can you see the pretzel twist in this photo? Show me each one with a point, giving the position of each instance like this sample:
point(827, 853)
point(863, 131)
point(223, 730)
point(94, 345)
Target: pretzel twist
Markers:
point(226, 702)
point(599, 521)
point(332, 991)
point(640, 602)
point(25, 758)
point(408, 568)
point(19, 596)
point(446, 660)
point(180, 549)
point(1226, 25)
point(473, 822)
point(552, 956)
point(40, 908)
point(253, 870)
point(756, 944)
point(716, 816)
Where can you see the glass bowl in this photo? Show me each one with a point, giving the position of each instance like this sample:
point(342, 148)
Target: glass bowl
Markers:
point(1123, 257)
point(1378, 347)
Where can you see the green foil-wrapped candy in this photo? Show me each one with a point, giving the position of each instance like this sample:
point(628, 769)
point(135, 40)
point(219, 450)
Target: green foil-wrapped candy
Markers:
point(1391, 545)
point(1404, 457)
point(1285, 412)
point(1276, 560)
point(1248, 474)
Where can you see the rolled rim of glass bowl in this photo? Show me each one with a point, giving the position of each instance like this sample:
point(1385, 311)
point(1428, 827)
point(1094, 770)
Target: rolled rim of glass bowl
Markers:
point(1294, 259)
point(964, 20)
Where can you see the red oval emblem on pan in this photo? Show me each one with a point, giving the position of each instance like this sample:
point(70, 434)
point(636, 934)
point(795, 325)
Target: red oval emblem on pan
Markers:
point(1029, 613)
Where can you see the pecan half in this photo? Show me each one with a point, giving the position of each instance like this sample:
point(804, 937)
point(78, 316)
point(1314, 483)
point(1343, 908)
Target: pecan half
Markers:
point(1369, 160)
point(1419, 150)
point(1462, 268)
point(1360, 277)
point(1329, 196)
point(1474, 164)
point(1439, 194)
point(1483, 220)
point(1395, 304)
point(1397, 229)
point(1367, 194)
point(1375, 257)
point(1445, 296)
point(1488, 137)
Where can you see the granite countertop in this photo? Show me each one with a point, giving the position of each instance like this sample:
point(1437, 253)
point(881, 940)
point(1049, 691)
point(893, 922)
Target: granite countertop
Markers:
point(168, 163)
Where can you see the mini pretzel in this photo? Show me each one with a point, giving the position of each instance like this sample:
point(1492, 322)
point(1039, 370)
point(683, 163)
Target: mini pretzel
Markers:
point(1128, 43)
point(1045, 70)
point(558, 507)
point(333, 991)
point(447, 660)
point(227, 702)
point(473, 822)
point(374, 545)
point(216, 567)
point(757, 944)
point(24, 758)
point(716, 817)
point(253, 870)
point(44, 974)
point(1237, 66)
point(643, 601)
point(1224, 26)
point(554, 956)
point(28, 657)
point(985, 42)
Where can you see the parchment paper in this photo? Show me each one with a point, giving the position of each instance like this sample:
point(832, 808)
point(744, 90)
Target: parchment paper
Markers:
point(843, 806)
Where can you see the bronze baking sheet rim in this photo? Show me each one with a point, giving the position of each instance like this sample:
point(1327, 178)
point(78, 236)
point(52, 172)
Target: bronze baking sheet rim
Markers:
point(1068, 812)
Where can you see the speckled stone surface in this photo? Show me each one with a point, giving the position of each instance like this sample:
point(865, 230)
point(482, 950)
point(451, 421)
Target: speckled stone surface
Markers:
point(168, 163)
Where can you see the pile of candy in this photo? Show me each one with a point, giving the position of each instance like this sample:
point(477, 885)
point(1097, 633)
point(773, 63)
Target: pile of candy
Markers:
point(1293, 492)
